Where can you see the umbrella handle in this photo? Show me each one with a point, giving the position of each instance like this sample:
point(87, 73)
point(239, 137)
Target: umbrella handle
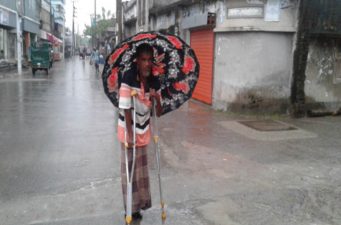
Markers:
point(157, 156)
point(129, 200)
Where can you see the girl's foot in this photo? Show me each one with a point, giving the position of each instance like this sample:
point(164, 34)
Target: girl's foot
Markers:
point(137, 215)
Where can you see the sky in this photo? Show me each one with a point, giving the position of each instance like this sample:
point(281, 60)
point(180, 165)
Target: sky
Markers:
point(84, 9)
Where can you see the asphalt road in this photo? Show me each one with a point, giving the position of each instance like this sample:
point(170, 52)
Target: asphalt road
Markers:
point(59, 160)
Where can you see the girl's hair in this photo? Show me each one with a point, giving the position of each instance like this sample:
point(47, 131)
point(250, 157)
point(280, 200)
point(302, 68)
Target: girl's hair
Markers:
point(144, 48)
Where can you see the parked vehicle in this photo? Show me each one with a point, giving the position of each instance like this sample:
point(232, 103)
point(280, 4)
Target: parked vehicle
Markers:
point(41, 56)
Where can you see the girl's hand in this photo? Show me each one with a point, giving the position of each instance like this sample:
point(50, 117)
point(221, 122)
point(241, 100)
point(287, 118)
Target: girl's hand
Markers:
point(153, 95)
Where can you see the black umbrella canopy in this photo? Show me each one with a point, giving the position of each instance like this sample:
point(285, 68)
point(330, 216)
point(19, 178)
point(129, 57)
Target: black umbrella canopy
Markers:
point(175, 64)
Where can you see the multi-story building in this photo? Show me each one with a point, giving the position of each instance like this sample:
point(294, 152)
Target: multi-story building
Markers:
point(58, 8)
point(247, 49)
point(28, 12)
point(46, 17)
point(8, 38)
point(31, 23)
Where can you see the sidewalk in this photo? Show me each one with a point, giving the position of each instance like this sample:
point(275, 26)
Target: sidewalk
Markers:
point(227, 173)
point(13, 74)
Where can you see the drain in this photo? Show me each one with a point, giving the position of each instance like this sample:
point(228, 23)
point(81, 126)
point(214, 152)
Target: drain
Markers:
point(267, 125)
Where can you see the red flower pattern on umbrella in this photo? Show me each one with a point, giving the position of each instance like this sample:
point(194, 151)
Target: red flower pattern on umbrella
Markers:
point(158, 69)
point(112, 80)
point(181, 86)
point(175, 42)
point(117, 54)
point(189, 65)
point(144, 36)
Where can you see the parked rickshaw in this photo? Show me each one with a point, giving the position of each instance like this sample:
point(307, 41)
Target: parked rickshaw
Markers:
point(41, 56)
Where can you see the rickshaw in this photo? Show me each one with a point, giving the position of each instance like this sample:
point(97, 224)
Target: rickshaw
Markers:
point(41, 56)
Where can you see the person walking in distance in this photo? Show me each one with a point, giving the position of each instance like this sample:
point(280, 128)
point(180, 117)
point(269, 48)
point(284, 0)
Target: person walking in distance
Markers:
point(95, 59)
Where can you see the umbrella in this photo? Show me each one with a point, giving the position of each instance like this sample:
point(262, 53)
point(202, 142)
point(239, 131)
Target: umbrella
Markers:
point(175, 64)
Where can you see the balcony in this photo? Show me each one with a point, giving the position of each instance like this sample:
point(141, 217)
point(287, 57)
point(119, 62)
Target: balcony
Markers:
point(164, 5)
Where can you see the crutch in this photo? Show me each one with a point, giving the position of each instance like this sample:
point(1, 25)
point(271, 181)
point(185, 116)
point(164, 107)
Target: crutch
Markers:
point(157, 154)
point(129, 200)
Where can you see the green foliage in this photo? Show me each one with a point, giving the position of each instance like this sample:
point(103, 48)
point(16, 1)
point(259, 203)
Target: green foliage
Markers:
point(102, 23)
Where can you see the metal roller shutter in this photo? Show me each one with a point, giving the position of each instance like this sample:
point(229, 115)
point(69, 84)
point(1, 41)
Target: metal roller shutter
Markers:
point(202, 41)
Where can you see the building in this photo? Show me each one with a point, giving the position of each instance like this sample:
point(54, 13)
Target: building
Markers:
point(322, 77)
point(46, 21)
point(8, 38)
point(58, 11)
point(28, 12)
point(31, 24)
point(248, 50)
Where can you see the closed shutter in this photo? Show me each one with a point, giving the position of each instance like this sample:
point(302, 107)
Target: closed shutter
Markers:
point(202, 42)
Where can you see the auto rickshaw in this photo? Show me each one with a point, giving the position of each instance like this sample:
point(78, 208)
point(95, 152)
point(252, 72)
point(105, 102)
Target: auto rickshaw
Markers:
point(41, 56)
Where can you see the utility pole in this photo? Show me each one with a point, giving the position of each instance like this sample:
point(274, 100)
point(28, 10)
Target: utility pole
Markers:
point(64, 39)
point(19, 44)
point(146, 15)
point(19, 15)
point(137, 16)
point(95, 20)
point(73, 27)
point(119, 20)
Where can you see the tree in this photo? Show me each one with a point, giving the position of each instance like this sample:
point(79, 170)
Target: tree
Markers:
point(102, 23)
point(100, 29)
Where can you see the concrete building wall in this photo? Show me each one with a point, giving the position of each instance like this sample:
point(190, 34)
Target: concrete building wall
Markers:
point(45, 15)
point(9, 4)
point(275, 15)
point(32, 9)
point(253, 55)
point(252, 71)
point(46, 20)
point(163, 3)
point(323, 74)
point(129, 18)
point(130, 10)
point(7, 18)
point(163, 21)
point(32, 16)
point(218, 7)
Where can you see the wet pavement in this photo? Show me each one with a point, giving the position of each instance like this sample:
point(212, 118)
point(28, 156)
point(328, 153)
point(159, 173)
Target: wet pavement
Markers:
point(59, 160)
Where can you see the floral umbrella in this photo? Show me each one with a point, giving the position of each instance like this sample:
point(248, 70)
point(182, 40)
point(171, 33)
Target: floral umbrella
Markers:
point(175, 64)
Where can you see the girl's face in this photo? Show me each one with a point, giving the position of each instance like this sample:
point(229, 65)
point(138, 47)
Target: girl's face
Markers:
point(144, 64)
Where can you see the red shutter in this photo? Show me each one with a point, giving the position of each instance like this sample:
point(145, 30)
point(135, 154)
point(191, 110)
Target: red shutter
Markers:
point(202, 41)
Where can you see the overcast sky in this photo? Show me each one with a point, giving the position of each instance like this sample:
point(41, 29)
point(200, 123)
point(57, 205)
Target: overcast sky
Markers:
point(84, 9)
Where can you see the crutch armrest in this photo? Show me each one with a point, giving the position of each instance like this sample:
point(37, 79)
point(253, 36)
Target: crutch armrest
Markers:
point(133, 93)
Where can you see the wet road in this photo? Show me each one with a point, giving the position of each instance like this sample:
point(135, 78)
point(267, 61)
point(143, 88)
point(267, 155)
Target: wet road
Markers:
point(57, 146)
point(59, 161)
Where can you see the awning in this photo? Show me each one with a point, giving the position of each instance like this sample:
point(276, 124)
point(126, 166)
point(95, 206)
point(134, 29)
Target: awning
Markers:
point(50, 37)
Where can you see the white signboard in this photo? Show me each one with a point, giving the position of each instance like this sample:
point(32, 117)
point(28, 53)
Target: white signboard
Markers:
point(255, 2)
point(245, 12)
point(272, 10)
